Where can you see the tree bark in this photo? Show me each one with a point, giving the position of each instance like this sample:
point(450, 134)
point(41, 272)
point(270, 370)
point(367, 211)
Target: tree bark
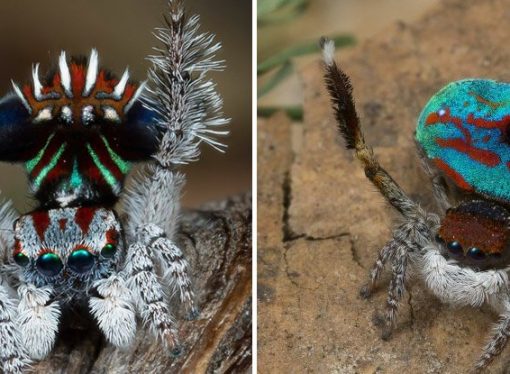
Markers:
point(217, 241)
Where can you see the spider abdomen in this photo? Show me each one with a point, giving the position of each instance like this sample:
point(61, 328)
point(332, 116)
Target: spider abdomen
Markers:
point(463, 129)
point(78, 132)
point(78, 168)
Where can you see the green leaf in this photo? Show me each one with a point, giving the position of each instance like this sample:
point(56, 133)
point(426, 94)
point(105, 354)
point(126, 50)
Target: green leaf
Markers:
point(300, 50)
point(287, 11)
point(283, 72)
point(265, 7)
point(295, 113)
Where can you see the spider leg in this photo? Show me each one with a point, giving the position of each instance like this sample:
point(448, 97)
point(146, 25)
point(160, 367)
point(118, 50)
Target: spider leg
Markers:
point(385, 253)
point(340, 89)
point(153, 210)
point(406, 239)
point(38, 319)
point(149, 296)
point(176, 272)
point(188, 111)
point(415, 232)
point(396, 289)
point(13, 355)
point(114, 311)
point(173, 265)
point(497, 342)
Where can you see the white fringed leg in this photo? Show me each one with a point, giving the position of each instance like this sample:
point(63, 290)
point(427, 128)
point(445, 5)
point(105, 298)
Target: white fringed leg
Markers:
point(13, 356)
point(149, 296)
point(114, 311)
point(38, 319)
point(189, 114)
point(173, 265)
point(154, 264)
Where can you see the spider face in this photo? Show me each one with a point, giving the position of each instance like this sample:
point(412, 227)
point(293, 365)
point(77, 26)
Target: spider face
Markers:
point(477, 233)
point(67, 243)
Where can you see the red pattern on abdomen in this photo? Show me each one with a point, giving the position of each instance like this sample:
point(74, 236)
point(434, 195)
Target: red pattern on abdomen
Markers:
point(457, 178)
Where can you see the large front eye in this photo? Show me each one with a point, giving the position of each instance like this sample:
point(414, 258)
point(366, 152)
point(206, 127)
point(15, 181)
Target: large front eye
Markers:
point(49, 264)
point(455, 248)
point(81, 260)
point(476, 253)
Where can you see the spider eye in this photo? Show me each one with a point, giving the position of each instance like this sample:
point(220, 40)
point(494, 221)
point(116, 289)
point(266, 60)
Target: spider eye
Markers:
point(476, 253)
point(21, 259)
point(454, 248)
point(49, 264)
point(109, 250)
point(80, 260)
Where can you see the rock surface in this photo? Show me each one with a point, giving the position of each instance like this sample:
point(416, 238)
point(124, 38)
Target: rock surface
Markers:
point(321, 223)
point(217, 242)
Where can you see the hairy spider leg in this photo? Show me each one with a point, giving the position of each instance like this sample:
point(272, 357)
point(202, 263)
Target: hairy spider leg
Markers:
point(405, 237)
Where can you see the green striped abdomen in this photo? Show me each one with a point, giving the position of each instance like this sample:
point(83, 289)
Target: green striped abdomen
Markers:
point(74, 169)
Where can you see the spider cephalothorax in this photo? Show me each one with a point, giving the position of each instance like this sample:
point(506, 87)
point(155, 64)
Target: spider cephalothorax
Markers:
point(82, 127)
point(77, 133)
point(477, 233)
point(67, 246)
point(462, 252)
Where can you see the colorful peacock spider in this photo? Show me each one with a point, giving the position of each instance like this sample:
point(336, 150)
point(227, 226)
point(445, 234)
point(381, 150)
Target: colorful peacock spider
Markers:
point(77, 132)
point(462, 252)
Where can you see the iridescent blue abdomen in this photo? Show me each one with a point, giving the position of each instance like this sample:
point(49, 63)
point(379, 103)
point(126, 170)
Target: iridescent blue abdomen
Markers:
point(464, 130)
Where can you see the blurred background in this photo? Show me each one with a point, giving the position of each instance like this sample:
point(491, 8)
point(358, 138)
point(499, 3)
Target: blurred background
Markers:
point(121, 30)
point(288, 34)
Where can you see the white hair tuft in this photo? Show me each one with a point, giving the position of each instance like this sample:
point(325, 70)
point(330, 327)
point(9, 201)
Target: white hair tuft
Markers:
point(65, 74)
point(92, 70)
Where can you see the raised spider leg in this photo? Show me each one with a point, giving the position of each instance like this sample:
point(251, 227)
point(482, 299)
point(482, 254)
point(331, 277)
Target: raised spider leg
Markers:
point(415, 232)
point(13, 355)
point(340, 89)
point(38, 319)
point(149, 295)
point(188, 112)
point(114, 310)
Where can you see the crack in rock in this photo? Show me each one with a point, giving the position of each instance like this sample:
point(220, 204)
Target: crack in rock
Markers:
point(312, 238)
point(290, 275)
point(287, 232)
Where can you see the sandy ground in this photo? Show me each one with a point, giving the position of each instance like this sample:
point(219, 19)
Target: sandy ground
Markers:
point(320, 222)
